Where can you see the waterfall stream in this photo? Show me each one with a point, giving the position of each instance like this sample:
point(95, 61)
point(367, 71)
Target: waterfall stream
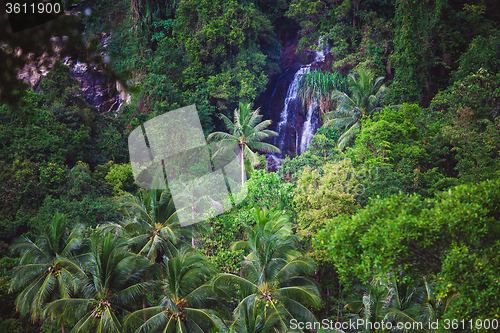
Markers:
point(302, 132)
point(291, 96)
point(118, 101)
point(310, 127)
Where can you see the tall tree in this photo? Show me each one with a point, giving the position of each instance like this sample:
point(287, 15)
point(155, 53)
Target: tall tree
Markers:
point(48, 269)
point(366, 92)
point(113, 284)
point(451, 236)
point(246, 133)
point(184, 306)
point(274, 274)
point(151, 224)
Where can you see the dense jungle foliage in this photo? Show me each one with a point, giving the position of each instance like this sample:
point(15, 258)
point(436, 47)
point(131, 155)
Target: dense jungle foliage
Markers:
point(391, 215)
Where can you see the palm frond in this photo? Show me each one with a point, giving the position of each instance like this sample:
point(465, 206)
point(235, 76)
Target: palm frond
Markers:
point(347, 136)
point(221, 136)
point(266, 147)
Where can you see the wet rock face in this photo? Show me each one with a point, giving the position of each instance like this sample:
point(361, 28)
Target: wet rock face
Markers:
point(272, 105)
point(281, 104)
point(272, 101)
point(98, 90)
point(95, 86)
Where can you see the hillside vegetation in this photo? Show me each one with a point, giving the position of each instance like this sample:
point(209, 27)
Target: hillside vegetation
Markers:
point(392, 214)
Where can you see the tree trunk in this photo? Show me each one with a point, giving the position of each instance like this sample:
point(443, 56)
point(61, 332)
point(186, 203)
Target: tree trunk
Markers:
point(353, 16)
point(62, 328)
point(144, 297)
point(242, 167)
point(355, 9)
point(327, 299)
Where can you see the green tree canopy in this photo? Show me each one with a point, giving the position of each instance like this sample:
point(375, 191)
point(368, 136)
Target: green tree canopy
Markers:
point(451, 237)
point(275, 274)
point(48, 269)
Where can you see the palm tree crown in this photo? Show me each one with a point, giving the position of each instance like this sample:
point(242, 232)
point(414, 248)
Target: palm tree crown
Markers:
point(184, 306)
point(246, 133)
point(366, 92)
point(113, 284)
point(48, 270)
point(151, 224)
point(275, 271)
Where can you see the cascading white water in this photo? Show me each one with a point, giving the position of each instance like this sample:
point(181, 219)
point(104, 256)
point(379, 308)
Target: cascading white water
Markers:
point(291, 96)
point(112, 105)
point(118, 101)
point(310, 125)
point(80, 68)
point(309, 129)
point(119, 106)
point(319, 55)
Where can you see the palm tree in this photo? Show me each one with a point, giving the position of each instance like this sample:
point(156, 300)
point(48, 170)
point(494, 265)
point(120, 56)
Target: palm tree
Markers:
point(274, 272)
point(185, 304)
point(253, 316)
point(372, 307)
point(431, 307)
point(48, 269)
point(318, 87)
point(113, 284)
point(405, 303)
point(366, 92)
point(151, 224)
point(246, 132)
point(388, 300)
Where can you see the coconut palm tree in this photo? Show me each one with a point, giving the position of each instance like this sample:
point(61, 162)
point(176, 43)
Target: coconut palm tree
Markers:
point(113, 285)
point(372, 307)
point(274, 273)
point(246, 133)
point(318, 87)
point(151, 224)
point(431, 307)
point(405, 303)
point(187, 301)
point(366, 92)
point(48, 269)
point(388, 300)
point(253, 316)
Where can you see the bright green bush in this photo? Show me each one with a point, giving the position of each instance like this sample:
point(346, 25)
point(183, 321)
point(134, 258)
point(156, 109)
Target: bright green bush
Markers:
point(122, 178)
point(452, 237)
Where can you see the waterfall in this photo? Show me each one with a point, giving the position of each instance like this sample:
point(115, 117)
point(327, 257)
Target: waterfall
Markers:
point(319, 55)
point(120, 103)
point(291, 96)
point(291, 107)
point(311, 123)
point(309, 127)
point(111, 107)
